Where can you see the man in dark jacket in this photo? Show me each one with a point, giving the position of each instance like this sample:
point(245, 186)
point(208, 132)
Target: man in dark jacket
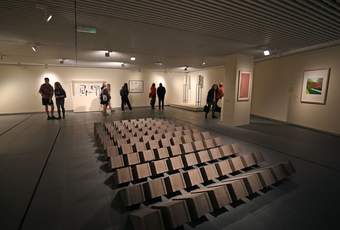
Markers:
point(211, 101)
point(161, 94)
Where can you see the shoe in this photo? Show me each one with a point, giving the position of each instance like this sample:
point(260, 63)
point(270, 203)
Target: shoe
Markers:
point(214, 117)
point(206, 116)
point(49, 118)
point(58, 118)
point(53, 118)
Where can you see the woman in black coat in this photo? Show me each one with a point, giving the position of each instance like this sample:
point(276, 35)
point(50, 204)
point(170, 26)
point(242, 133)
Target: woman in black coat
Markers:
point(124, 94)
point(211, 101)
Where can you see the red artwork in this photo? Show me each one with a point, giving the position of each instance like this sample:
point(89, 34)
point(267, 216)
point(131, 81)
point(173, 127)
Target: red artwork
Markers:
point(244, 83)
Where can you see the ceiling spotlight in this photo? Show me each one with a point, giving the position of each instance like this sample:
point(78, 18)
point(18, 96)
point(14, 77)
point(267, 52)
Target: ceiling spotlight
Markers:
point(159, 63)
point(35, 48)
point(107, 54)
point(49, 17)
point(266, 52)
point(132, 58)
point(203, 63)
point(61, 61)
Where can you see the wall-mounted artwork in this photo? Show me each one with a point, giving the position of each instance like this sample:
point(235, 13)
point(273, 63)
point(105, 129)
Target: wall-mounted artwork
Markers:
point(86, 88)
point(243, 86)
point(136, 86)
point(315, 86)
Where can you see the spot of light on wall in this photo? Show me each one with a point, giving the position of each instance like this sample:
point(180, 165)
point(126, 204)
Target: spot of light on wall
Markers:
point(133, 58)
point(266, 53)
point(35, 49)
point(48, 19)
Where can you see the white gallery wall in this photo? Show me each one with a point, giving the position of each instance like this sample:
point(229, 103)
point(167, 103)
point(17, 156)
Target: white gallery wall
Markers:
point(19, 84)
point(277, 89)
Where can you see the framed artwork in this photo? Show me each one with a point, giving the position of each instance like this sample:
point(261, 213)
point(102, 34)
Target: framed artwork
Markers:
point(136, 86)
point(243, 86)
point(315, 86)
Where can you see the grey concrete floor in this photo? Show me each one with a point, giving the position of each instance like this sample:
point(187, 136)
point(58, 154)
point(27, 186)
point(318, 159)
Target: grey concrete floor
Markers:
point(52, 177)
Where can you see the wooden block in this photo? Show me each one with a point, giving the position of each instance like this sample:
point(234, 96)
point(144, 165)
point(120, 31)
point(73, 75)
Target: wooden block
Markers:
point(192, 177)
point(189, 159)
point(236, 163)
point(175, 163)
point(178, 133)
point(141, 171)
point(146, 219)
point(205, 135)
point(223, 168)
point(248, 160)
point(187, 139)
point(214, 153)
point(266, 177)
point(156, 137)
point(203, 156)
point(237, 190)
point(152, 144)
point(165, 142)
point(154, 188)
point(126, 148)
point(198, 204)
point(162, 153)
point(132, 195)
point(158, 167)
point(187, 132)
point(253, 183)
point(218, 141)
point(209, 143)
point(175, 150)
point(132, 159)
point(197, 136)
point(112, 151)
point(187, 148)
point(219, 196)
point(139, 147)
point(278, 172)
point(123, 175)
point(134, 140)
point(167, 135)
point(289, 168)
point(175, 213)
point(176, 141)
point(174, 182)
point(179, 128)
point(258, 157)
point(209, 172)
point(236, 148)
point(198, 145)
point(226, 150)
point(117, 162)
point(147, 155)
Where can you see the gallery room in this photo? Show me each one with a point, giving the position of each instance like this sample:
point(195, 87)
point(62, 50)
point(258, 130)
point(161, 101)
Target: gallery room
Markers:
point(192, 114)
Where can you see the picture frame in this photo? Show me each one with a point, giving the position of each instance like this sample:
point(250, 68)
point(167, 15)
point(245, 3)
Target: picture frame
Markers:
point(136, 86)
point(244, 81)
point(314, 87)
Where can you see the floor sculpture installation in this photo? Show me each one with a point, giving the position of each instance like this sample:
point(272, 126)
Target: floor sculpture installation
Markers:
point(169, 175)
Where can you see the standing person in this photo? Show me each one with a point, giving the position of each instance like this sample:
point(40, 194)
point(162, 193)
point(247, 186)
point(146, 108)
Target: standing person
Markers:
point(124, 94)
point(152, 95)
point(161, 94)
point(46, 92)
point(60, 96)
point(104, 98)
point(219, 95)
point(211, 101)
point(108, 86)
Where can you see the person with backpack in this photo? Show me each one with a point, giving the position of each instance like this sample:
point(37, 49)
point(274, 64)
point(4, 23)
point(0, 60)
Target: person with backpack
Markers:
point(105, 98)
point(124, 94)
point(152, 95)
point(161, 95)
point(211, 101)
point(60, 96)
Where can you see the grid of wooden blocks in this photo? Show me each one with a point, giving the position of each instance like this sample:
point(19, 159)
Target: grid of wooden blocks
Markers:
point(179, 173)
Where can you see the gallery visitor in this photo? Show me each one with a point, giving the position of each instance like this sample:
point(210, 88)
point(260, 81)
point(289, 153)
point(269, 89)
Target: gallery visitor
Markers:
point(105, 98)
point(124, 94)
point(152, 95)
point(108, 86)
point(161, 95)
point(46, 92)
point(219, 95)
point(211, 101)
point(60, 96)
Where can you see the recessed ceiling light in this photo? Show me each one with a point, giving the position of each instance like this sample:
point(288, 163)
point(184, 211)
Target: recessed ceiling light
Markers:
point(132, 58)
point(203, 63)
point(49, 18)
point(266, 52)
point(35, 48)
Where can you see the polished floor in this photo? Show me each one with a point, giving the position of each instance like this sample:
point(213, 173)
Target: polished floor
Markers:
point(52, 175)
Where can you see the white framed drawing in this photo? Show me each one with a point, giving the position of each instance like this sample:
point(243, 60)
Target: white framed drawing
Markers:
point(136, 86)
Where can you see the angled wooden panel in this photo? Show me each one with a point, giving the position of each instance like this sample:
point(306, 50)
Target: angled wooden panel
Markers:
point(146, 219)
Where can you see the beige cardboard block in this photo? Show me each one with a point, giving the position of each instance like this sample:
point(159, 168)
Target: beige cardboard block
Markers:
point(141, 171)
point(192, 177)
point(226, 150)
point(189, 159)
point(187, 132)
point(236, 148)
point(218, 141)
point(258, 157)
point(219, 196)
point(167, 135)
point(236, 163)
point(126, 148)
point(112, 151)
point(178, 133)
point(158, 167)
point(147, 155)
point(154, 188)
point(198, 145)
point(198, 204)
point(266, 177)
point(187, 139)
point(162, 153)
point(209, 172)
point(132, 158)
point(132, 195)
point(153, 144)
point(197, 136)
point(134, 140)
point(205, 135)
point(248, 160)
point(209, 143)
point(139, 147)
point(175, 213)
point(146, 138)
point(117, 162)
point(146, 219)
point(237, 190)
point(165, 142)
point(187, 148)
point(279, 172)
point(157, 137)
point(203, 156)
point(179, 128)
point(223, 168)
point(174, 182)
point(176, 140)
point(254, 183)
point(289, 168)
point(214, 153)
point(123, 175)
point(175, 163)
point(175, 150)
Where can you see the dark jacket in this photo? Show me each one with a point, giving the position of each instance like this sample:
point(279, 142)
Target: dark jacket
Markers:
point(211, 97)
point(161, 92)
point(60, 94)
point(124, 92)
